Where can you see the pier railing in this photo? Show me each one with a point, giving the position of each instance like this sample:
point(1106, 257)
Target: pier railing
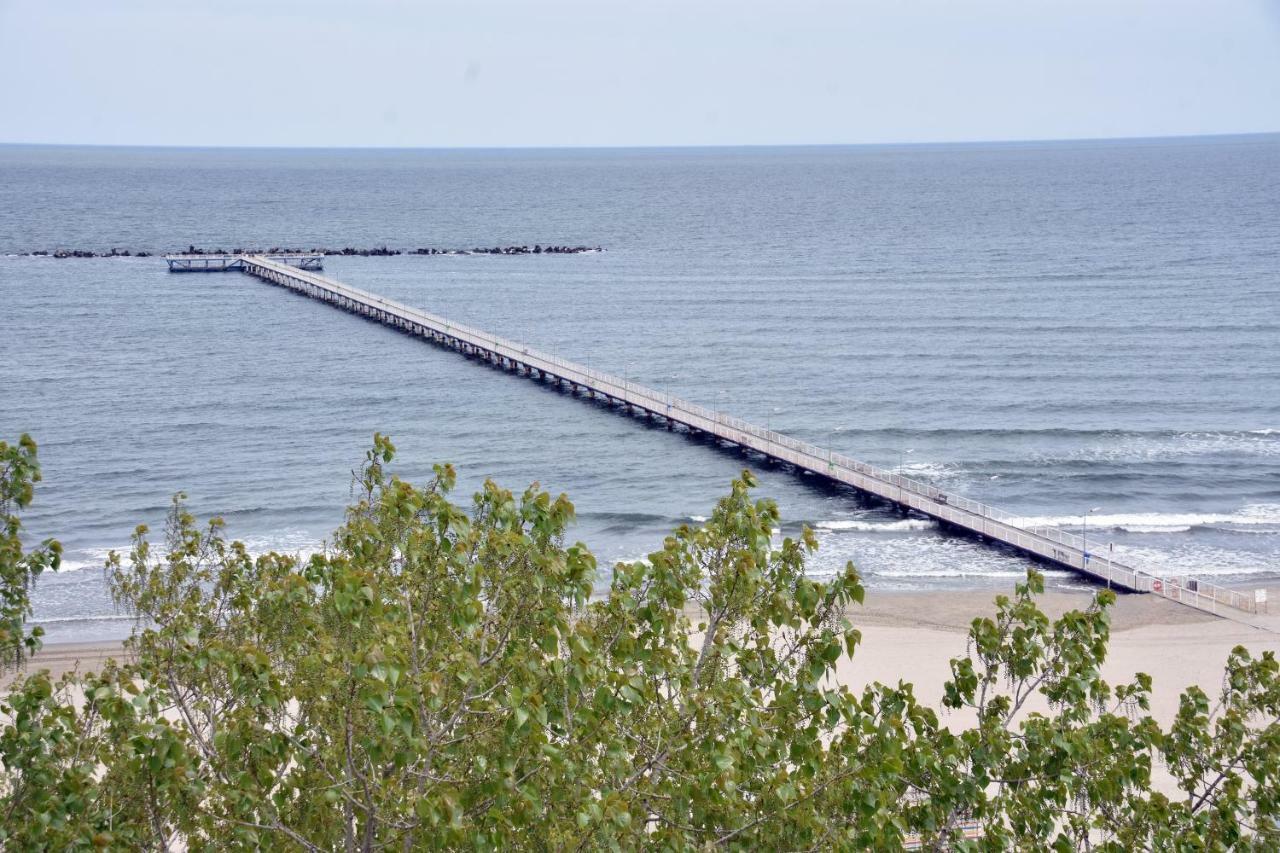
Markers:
point(1052, 543)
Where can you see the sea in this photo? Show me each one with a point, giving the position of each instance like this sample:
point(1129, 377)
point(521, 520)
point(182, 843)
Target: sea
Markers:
point(1086, 334)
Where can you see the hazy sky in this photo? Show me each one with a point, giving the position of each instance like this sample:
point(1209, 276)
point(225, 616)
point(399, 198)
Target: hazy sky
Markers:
point(646, 72)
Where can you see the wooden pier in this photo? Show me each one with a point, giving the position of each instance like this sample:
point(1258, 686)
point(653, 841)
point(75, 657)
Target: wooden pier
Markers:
point(953, 512)
point(227, 263)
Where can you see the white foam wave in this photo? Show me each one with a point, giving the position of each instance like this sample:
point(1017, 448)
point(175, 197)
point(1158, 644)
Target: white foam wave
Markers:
point(296, 543)
point(638, 558)
point(88, 558)
point(1126, 448)
point(1156, 522)
point(876, 526)
point(1198, 561)
point(960, 573)
point(928, 470)
point(110, 617)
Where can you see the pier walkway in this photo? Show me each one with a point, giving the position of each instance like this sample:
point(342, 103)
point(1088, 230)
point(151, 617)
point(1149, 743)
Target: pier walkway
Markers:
point(954, 512)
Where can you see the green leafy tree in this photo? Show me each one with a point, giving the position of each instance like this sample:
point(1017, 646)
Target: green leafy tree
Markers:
point(19, 472)
point(444, 678)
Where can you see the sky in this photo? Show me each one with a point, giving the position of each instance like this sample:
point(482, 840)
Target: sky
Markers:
point(485, 73)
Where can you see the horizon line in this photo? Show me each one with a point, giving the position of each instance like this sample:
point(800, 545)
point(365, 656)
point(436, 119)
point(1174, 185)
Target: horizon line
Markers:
point(648, 147)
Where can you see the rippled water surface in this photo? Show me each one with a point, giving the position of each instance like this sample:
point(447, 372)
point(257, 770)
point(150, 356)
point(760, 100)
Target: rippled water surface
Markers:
point(1047, 327)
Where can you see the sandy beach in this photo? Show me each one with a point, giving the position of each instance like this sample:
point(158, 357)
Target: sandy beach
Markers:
point(61, 658)
point(913, 636)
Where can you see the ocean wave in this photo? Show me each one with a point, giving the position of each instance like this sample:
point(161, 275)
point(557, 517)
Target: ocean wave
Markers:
point(640, 558)
point(296, 543)
point(1164, 445)
point(876, 526)
point(627, 517)
point(928, 470)
point(110, 617)
point(1050, 432)
point(88, 558)
point(1252, 516)
point(961, 574)
point(1155, 528)
point(1198, 560)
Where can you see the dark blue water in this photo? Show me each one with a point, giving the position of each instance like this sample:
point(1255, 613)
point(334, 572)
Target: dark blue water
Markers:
point(1046, 327)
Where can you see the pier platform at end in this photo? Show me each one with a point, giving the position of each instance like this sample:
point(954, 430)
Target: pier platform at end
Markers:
point(232, 262)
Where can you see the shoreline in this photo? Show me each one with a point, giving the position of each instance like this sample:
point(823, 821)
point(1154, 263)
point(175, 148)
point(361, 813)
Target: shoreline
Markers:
point(912, 636)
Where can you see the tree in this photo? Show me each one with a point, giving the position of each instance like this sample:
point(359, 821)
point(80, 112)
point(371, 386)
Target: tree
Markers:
point(19, 472)
point(443, 678)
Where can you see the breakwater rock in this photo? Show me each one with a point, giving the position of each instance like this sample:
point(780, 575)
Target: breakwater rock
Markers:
point(383, 251)
point(83, 253)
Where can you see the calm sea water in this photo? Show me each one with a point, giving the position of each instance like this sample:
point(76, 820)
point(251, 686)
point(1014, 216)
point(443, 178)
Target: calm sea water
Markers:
point(1047, 327)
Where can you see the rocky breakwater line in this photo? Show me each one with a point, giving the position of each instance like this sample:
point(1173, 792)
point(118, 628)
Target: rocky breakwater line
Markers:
point(383, 251)
point(83, 253)
point(347, 251)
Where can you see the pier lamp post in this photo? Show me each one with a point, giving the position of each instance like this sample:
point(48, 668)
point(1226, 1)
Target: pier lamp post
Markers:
point(768, 421)
point(1084, 537)
point(902, 468)
point(831, 437)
